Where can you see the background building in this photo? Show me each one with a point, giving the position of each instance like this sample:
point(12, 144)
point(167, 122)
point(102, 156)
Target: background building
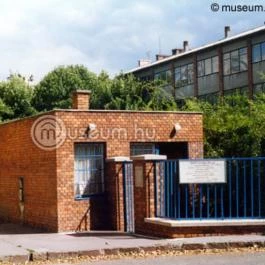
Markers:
point(231, 65)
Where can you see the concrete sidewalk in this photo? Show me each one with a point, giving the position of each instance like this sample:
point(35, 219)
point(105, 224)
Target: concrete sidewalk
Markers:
point(21, 243)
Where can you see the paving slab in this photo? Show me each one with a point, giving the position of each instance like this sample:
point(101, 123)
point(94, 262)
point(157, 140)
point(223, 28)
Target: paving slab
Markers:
point(16, 241)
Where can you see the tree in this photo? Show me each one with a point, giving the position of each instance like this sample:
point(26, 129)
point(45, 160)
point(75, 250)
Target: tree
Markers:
point(55, 89)
point(4, 110)
point(122, 92)
point(15, 98)
point(234, 127)
point(125, 92)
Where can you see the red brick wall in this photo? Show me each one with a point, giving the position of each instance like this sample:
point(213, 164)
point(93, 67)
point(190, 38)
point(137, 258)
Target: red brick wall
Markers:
point(49, 175)
point(19, 157)
point(115, 195)
point(199, 231)
point(70, 211)
point(144, 204)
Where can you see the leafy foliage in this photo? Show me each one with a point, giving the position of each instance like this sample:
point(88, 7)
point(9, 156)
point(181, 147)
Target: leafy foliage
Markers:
point(233, 127)
point(4, 110)
point(15, 98)
point(122, 92)
point(127, 93)
point(55, 88)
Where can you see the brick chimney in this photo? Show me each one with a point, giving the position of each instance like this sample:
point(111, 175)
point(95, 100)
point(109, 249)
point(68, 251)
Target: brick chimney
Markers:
point(185, 45)
point(227, 30)
point(177, 51)
point(144, 62)
point(81, 99)
point(161, 57)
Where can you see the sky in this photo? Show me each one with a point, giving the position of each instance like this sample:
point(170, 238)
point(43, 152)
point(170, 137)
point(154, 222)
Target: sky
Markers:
point(111, 35)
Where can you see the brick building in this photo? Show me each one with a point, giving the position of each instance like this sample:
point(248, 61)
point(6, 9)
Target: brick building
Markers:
point(54, 172)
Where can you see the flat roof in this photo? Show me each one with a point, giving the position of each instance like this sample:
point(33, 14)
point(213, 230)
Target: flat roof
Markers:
point(222, 41)
point(99, 111)
point(128, 111)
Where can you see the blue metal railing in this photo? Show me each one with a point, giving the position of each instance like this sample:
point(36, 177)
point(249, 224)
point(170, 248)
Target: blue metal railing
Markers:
point(242, 196)
point(127, 172)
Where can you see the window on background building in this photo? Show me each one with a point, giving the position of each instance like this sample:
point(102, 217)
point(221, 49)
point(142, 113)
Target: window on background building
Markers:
point(215, 64)
point(227, 69)
point(157, 76)
point(208, 66)
point(263, 51)
point(177, 75)
point(235, 61)
point(190, 73)
point(169, 76)
point(258, 52)
point(89, 169)
point(201, 68)
point(143, 148)
point(184, 75)
point(243, 59)
point(165, 76)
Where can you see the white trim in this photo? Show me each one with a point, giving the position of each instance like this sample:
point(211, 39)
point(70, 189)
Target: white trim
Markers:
point(149, 157)
point(202, 223)
point(118, 159)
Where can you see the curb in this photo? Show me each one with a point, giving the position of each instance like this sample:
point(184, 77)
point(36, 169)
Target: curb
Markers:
point(35, 256)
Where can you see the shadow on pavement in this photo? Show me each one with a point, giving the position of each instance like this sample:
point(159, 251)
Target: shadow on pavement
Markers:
point(110, 234)
point(12, 229)
point(17, 229)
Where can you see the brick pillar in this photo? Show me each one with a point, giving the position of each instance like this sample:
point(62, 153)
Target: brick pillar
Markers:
point(115, 195)
point(144, 190)
point(195, 150)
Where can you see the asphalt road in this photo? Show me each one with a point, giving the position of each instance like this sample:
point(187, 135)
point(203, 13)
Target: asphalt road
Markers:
point(256, 258)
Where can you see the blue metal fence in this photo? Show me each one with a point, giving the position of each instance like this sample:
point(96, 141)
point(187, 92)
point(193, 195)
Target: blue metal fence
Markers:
point(127, 172)
point(242, 196)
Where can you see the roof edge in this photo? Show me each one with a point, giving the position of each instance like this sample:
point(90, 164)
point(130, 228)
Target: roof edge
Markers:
point(200, 48)
point(98, 111)
point(129, 111)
